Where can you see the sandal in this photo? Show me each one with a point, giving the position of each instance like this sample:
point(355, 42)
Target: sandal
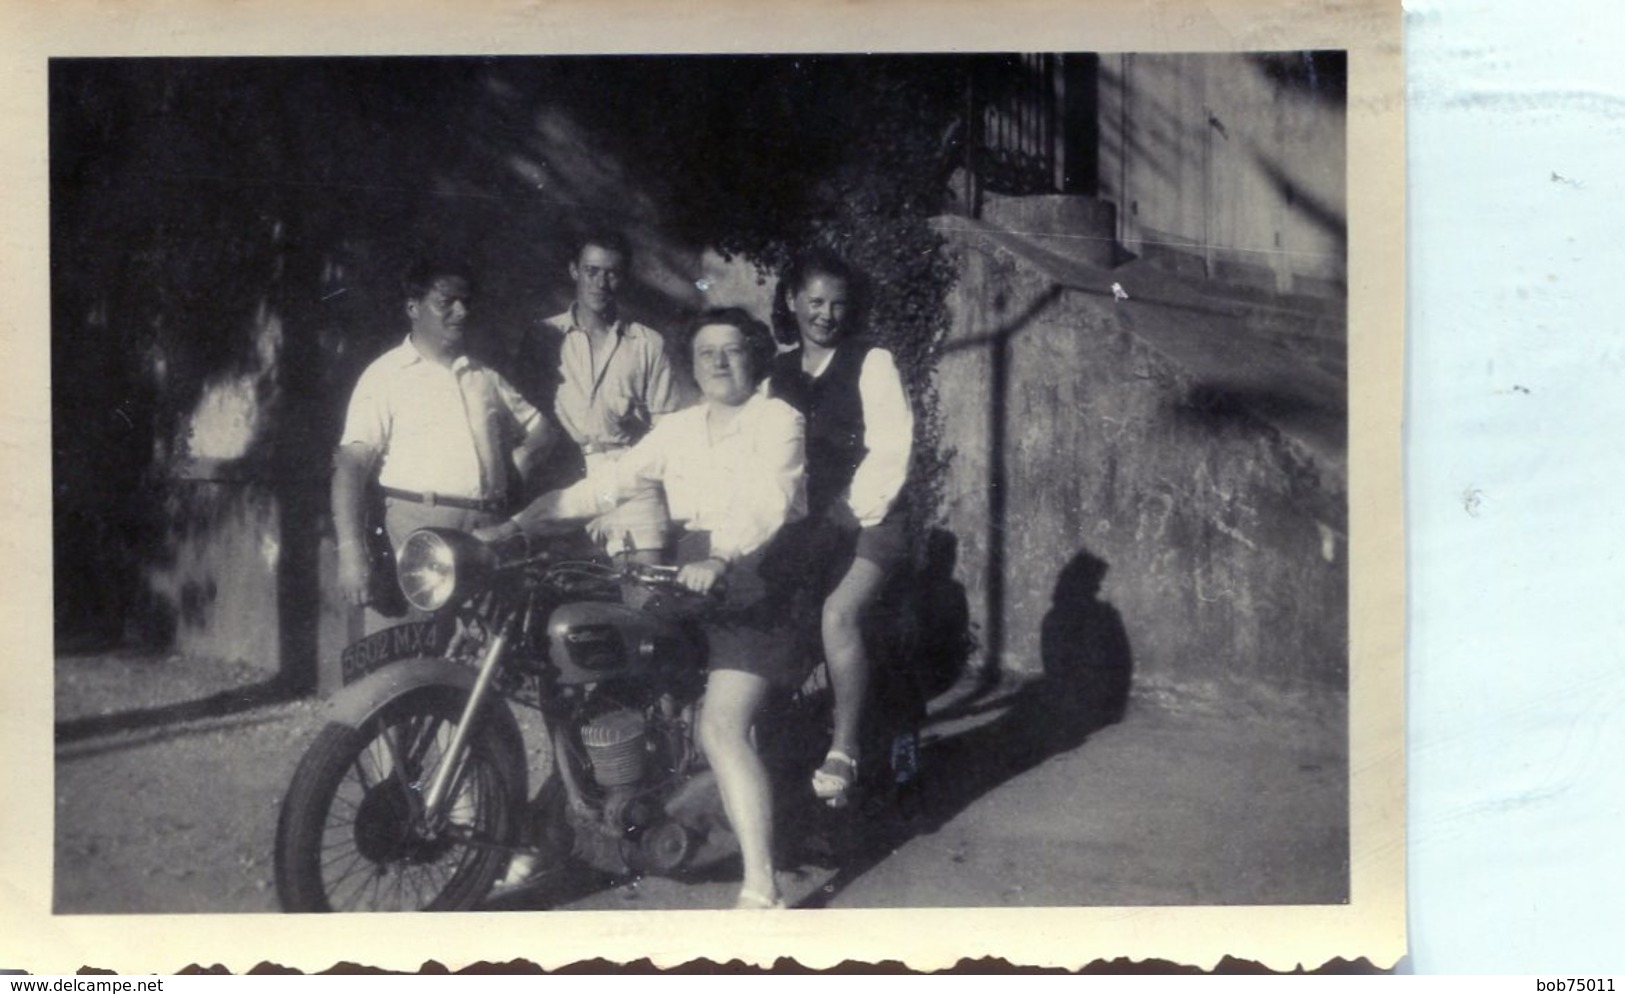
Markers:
point(834, 780)
point(749, 900)
point(522, 875)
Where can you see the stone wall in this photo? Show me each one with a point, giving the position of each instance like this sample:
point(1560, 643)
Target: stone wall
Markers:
point(1082, 458)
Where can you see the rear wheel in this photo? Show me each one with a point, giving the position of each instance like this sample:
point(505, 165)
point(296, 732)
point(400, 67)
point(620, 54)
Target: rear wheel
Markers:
point(352, 835)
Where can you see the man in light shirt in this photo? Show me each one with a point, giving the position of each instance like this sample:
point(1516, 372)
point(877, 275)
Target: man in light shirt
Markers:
point(438, 431)
point(615, 382)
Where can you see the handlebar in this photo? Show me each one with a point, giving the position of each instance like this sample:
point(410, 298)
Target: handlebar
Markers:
point(651, 574)
point(570, 571)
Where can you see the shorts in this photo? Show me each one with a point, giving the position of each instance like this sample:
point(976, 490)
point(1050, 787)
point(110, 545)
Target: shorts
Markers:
point(885, 545)
point(755, 630)
point(772, 653)
point(817, 554)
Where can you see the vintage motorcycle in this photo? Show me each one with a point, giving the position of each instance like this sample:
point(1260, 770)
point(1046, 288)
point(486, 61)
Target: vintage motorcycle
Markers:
point(415, 795)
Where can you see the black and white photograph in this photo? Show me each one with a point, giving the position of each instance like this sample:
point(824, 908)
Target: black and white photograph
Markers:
point(769, 483)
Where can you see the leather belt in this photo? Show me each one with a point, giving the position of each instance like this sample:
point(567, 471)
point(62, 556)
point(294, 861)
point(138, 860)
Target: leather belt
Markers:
point(436, 500)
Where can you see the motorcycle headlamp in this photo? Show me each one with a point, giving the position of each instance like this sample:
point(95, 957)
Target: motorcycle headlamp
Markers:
point(438, 566)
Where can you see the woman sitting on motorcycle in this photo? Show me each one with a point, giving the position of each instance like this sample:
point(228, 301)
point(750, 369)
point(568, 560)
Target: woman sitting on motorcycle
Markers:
point(732, 469)
point(860, 436)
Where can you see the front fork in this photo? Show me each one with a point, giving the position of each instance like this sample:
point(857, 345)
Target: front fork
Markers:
point(446, 774)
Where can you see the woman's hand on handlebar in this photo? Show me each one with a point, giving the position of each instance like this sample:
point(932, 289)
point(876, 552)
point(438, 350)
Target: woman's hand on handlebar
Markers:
point(498, 532)
point(702, 577)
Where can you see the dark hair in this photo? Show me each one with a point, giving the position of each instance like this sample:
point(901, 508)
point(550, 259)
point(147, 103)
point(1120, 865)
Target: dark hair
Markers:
point(420, 276)
point(794, 277)
point(604, 238)
point(758, 340)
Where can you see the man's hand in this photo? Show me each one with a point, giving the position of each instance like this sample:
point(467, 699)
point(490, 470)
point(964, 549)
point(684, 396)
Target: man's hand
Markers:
point(352, 468)
point(598, 529)
point(355, 576)
point(530, 458)
point(703, 576)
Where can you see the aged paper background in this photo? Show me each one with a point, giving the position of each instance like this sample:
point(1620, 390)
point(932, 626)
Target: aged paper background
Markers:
point(1372, 925)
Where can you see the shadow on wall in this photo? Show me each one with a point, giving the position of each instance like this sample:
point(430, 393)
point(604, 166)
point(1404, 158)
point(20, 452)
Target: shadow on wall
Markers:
point(942, 639)
point(998, 341)
point(1088, 672)
point(1088, 665)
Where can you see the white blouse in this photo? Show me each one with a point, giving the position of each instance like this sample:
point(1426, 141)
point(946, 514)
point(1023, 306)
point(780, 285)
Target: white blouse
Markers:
point(742, 484)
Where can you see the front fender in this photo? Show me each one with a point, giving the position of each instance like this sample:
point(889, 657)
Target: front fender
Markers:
point(356, 704)
point(366, 697)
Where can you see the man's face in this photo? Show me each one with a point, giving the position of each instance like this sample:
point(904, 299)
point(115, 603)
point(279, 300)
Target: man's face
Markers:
point(439, 314)
point(598, 273)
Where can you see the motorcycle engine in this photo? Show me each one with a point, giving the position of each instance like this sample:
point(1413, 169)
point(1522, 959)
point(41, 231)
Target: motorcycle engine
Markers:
point(615, 744)
point(633, 830)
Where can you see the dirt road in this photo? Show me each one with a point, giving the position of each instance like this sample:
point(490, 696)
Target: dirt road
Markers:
point(169, 772)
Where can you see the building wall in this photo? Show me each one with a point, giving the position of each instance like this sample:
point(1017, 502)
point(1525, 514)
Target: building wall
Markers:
point(1231, 164)
point(220, 588)
point(1073, 442)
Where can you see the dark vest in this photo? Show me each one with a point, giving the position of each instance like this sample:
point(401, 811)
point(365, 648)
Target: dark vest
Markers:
point(834, 412)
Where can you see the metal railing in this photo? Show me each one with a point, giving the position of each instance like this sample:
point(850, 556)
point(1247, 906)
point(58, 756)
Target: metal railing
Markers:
point(1013, 106)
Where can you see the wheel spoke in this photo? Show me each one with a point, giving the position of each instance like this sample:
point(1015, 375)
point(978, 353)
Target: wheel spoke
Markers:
point(353, 806)
point(427, 883)
point(390, 891)
point(370, 888)
point(361, 773)
point(425, 734)
point(368, 871)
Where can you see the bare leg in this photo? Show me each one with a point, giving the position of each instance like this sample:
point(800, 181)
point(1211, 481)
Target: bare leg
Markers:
point(843, 648)
point(732, 698)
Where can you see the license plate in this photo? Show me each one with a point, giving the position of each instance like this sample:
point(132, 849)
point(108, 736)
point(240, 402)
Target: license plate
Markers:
point(408, 641)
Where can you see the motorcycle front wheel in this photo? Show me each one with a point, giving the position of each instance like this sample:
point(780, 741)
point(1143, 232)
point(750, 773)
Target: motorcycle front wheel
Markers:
point(352, 836)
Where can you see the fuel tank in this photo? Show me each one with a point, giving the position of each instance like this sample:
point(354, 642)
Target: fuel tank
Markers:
point(591, 640)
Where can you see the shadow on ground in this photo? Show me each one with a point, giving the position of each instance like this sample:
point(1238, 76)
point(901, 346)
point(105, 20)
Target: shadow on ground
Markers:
point(1084, 687)
point(217, 705)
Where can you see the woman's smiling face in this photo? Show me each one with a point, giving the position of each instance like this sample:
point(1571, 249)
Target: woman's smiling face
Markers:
point(722, 364)
point(820, 307)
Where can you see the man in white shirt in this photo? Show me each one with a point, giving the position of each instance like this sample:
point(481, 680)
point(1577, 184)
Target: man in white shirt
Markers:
point(437, 430)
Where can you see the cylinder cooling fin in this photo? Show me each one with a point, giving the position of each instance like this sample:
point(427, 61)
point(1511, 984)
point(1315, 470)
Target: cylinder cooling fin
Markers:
point(615, 746)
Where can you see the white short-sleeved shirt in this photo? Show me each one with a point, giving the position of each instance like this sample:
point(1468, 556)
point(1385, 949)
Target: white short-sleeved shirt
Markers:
point(438, 429)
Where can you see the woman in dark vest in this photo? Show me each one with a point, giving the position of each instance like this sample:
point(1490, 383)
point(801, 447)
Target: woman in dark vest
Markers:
point(860, 436)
